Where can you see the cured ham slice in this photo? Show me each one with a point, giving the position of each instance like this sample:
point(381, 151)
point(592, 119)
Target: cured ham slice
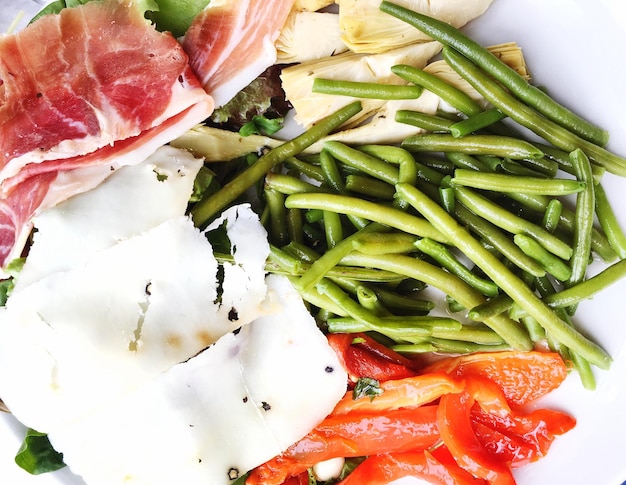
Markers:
point(78, 89)
point(232, 41)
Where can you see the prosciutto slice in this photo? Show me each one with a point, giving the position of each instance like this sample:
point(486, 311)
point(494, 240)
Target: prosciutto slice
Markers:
point(78, 89)
point(232, 41)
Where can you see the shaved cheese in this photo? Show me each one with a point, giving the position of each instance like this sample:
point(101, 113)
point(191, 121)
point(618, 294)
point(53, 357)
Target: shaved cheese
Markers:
point(146, 194)
point(97, 331)
point(225, 411)
point(142, 361)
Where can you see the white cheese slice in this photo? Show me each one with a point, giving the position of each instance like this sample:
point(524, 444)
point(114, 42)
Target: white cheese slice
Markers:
point(132, 200)
point(208, 420)
point(88, 335)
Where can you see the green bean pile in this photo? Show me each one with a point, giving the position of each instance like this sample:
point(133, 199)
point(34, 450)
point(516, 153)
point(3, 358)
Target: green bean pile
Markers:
point(503, 226)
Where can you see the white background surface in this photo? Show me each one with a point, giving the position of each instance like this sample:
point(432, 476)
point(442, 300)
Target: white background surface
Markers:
point(575, 48)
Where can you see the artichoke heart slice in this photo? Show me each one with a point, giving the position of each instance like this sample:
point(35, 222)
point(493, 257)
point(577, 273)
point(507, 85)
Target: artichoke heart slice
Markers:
point(368, 30)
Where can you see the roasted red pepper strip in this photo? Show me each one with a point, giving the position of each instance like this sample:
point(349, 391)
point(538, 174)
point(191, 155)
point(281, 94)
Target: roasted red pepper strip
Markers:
point(383, 469)
point(408, 392)
point(457, 433)
point(352, 435)
point(523, 376)
point(520, 437)
point(362, 356)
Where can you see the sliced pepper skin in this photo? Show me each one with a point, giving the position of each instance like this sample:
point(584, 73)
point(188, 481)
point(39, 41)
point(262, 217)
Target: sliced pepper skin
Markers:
point(398, 393)
point(352, 435)
point(383, 469)
point(457, 433)
point(523, 376)
point(362, 356)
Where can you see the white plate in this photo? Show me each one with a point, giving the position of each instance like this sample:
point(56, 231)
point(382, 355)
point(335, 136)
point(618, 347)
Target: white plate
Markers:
point(575, 49)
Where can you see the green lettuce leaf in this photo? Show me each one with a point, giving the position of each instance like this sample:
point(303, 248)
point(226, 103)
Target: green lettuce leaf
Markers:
point(168, 15)
point(36, 455)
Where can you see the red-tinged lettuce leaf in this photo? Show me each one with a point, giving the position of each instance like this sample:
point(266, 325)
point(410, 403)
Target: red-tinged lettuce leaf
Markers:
point(262, 97)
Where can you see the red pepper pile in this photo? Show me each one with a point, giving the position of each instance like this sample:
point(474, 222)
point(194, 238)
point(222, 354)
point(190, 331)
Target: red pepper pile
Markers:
point(459, 420)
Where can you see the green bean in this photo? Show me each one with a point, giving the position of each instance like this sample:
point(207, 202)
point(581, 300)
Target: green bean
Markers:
point(401, 303)
point(511, 183)
point(546, 289)
point(355, 325)
point(367, 90)
point(609, 222)
point(463, 347)
point(585, 210)
point(308, 170)
point(332, 228)
point(407, 166)
point(369, 300)
point(278, 216)
point(537, 332)
point(529, 118)
point(365, 163)
point(494, 306)
point(448, 198)
point(543, 165)
point(392, 300)
point(208, 208)
point(463, 160)
point(428, 174)
point(445, 258)
point(498, 145)
point(476, 122)
point(295, 222)
point(314, 215)
point(385, 243)
point(500, 241)
point(416, 348)
point(447, 283)
point(423, 120)
point(367, 210)
point(450, 94)
point(453, 305)
point(450, 36)
point(548, 261)
point(331, 173)
point(504, 278)
point(509, 222)
point(471, 333)
point(563, 161)
point(284, 260)
point(599, 243)
point(330, 258)
point(588, 288)
point(516, 167)
point(314, 297)
point(288, 184)
point(440, 164)
point(552, 215)
point(362, 184)
point(399, 329)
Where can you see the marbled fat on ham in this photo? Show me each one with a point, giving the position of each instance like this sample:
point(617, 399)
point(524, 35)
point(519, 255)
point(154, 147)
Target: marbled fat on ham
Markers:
point(78, 89)
point(232, 41)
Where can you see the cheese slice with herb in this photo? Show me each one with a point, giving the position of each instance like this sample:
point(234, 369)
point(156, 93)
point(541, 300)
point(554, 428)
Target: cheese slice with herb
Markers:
point(228, 409)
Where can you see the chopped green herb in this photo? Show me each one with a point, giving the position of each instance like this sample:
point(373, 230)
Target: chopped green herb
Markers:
point(366, 386)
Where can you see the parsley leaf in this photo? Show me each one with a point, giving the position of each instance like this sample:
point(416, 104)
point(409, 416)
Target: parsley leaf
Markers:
point(366, 386)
